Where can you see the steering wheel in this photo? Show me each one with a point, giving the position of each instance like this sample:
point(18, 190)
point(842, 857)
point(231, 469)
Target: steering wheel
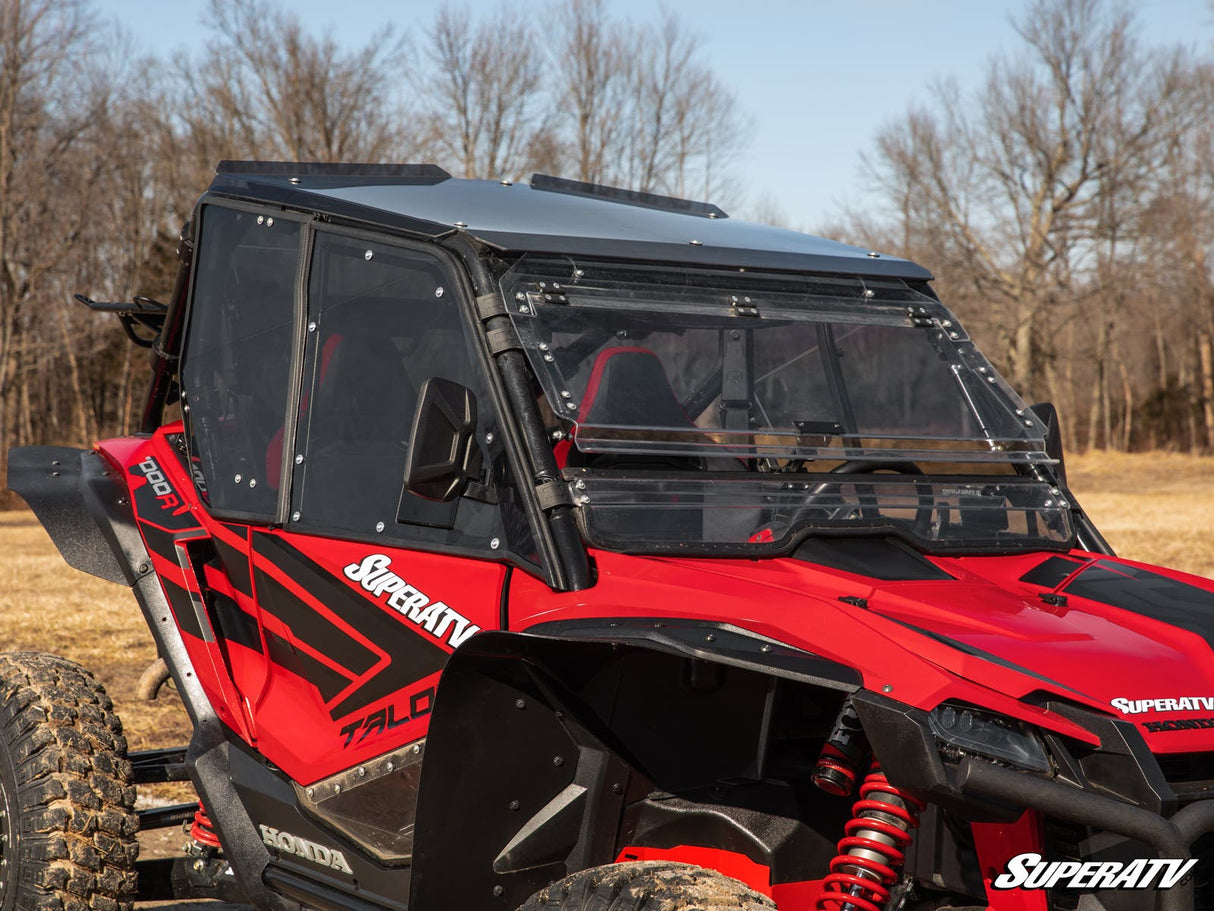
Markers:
point(867, 506)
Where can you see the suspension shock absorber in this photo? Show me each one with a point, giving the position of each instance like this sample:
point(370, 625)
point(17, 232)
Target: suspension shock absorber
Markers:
point(842, 755)
point(873, 848)
point(202, 832)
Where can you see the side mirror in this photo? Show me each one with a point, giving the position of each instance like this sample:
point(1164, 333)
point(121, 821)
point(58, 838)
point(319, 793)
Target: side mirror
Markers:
point(1048, 415)
point(443, 456)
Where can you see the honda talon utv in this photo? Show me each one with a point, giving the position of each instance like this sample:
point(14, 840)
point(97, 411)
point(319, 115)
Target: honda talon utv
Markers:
point(553, 546)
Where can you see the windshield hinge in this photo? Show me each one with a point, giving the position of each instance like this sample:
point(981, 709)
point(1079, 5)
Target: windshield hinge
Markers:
point(742, 306)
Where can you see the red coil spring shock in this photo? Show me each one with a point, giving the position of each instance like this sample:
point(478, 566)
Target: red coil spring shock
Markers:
point(201, 829)
point(873, 849)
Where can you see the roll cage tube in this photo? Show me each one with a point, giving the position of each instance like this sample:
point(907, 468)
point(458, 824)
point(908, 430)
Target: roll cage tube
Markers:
point(573, 571)
point(166, 347)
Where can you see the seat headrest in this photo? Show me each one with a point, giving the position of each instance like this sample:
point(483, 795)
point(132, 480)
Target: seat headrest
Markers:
point(628, 386)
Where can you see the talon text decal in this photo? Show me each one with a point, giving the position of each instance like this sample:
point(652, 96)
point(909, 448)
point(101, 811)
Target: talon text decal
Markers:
point(386, 719)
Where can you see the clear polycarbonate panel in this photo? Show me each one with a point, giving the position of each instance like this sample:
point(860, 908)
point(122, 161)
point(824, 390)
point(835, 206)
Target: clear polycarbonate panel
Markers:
point(698, 513)
point(653, 360)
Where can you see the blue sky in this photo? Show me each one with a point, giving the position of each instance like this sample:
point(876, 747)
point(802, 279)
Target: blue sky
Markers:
point(817, 78)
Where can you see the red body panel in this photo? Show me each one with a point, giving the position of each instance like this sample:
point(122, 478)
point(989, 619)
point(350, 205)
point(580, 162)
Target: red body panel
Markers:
point(273, 613)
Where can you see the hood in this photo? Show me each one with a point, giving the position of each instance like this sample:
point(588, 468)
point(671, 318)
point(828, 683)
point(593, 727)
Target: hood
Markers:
point(1134, 640)
point(1004, 632)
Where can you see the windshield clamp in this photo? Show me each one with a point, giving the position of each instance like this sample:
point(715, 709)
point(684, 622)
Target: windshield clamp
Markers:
point(490, 305)
point(552, 494)
point(920, 317)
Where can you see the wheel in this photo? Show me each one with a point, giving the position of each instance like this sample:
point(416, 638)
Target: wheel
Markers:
point(647, 886)
point(67, 834)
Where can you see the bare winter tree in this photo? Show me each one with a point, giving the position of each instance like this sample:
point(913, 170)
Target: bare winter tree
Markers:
point(592, 73)
point(56, 95)
point(683, 127)
point(484, 107)
point(265, 87)
point(1022, 186)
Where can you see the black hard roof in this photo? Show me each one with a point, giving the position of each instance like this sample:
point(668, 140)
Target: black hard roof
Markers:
point(548, 215)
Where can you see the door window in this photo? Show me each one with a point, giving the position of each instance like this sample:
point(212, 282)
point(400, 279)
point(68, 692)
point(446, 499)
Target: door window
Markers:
point(236, 367)
point(382, 319)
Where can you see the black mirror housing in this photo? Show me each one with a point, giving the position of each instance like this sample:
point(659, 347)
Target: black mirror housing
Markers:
point(443, 456)
point(1048, 415)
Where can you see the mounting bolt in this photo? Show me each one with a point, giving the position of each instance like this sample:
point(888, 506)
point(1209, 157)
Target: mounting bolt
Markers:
point(299, 460)
point(765, 648)
point(379, 526)
point(269, 222)
point(488, 438)
point(312, 327)
point(310, 791)
point(558, 761)
point(524, 309)
point(581, 484)
point(617, 789)
point(514, 805)
point(520, 703)
point(498, 891)
point(238, 478)
point(389, 765)
point(295, 516)
point(336, 789)
point(438, 292)
point(362, 772)
point(495, 543)
point(261, 219)
point(367, 256)
point(888, 688)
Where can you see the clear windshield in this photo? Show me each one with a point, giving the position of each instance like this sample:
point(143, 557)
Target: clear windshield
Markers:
point(651, 361)
point(696, 372)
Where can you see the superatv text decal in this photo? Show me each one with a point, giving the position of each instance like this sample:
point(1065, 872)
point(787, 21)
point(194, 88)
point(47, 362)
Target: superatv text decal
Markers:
point(1030, 871)
point(1178, 724)
point(301, 847)
point(386, 719)
point(165, 495)
point(436, 618)
point(1182, 704)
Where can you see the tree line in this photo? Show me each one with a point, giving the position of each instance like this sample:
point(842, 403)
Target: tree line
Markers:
point(1067, 205)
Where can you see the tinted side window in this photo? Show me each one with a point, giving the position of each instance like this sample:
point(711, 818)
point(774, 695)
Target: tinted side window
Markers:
point(235, 369)
point(381, 321)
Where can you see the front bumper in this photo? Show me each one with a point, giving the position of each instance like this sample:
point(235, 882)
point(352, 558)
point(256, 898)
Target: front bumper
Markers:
point(1118, 788)
point(1170, 838)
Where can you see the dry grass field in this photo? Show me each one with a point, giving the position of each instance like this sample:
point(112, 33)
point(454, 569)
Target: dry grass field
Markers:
point(1153, 507)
